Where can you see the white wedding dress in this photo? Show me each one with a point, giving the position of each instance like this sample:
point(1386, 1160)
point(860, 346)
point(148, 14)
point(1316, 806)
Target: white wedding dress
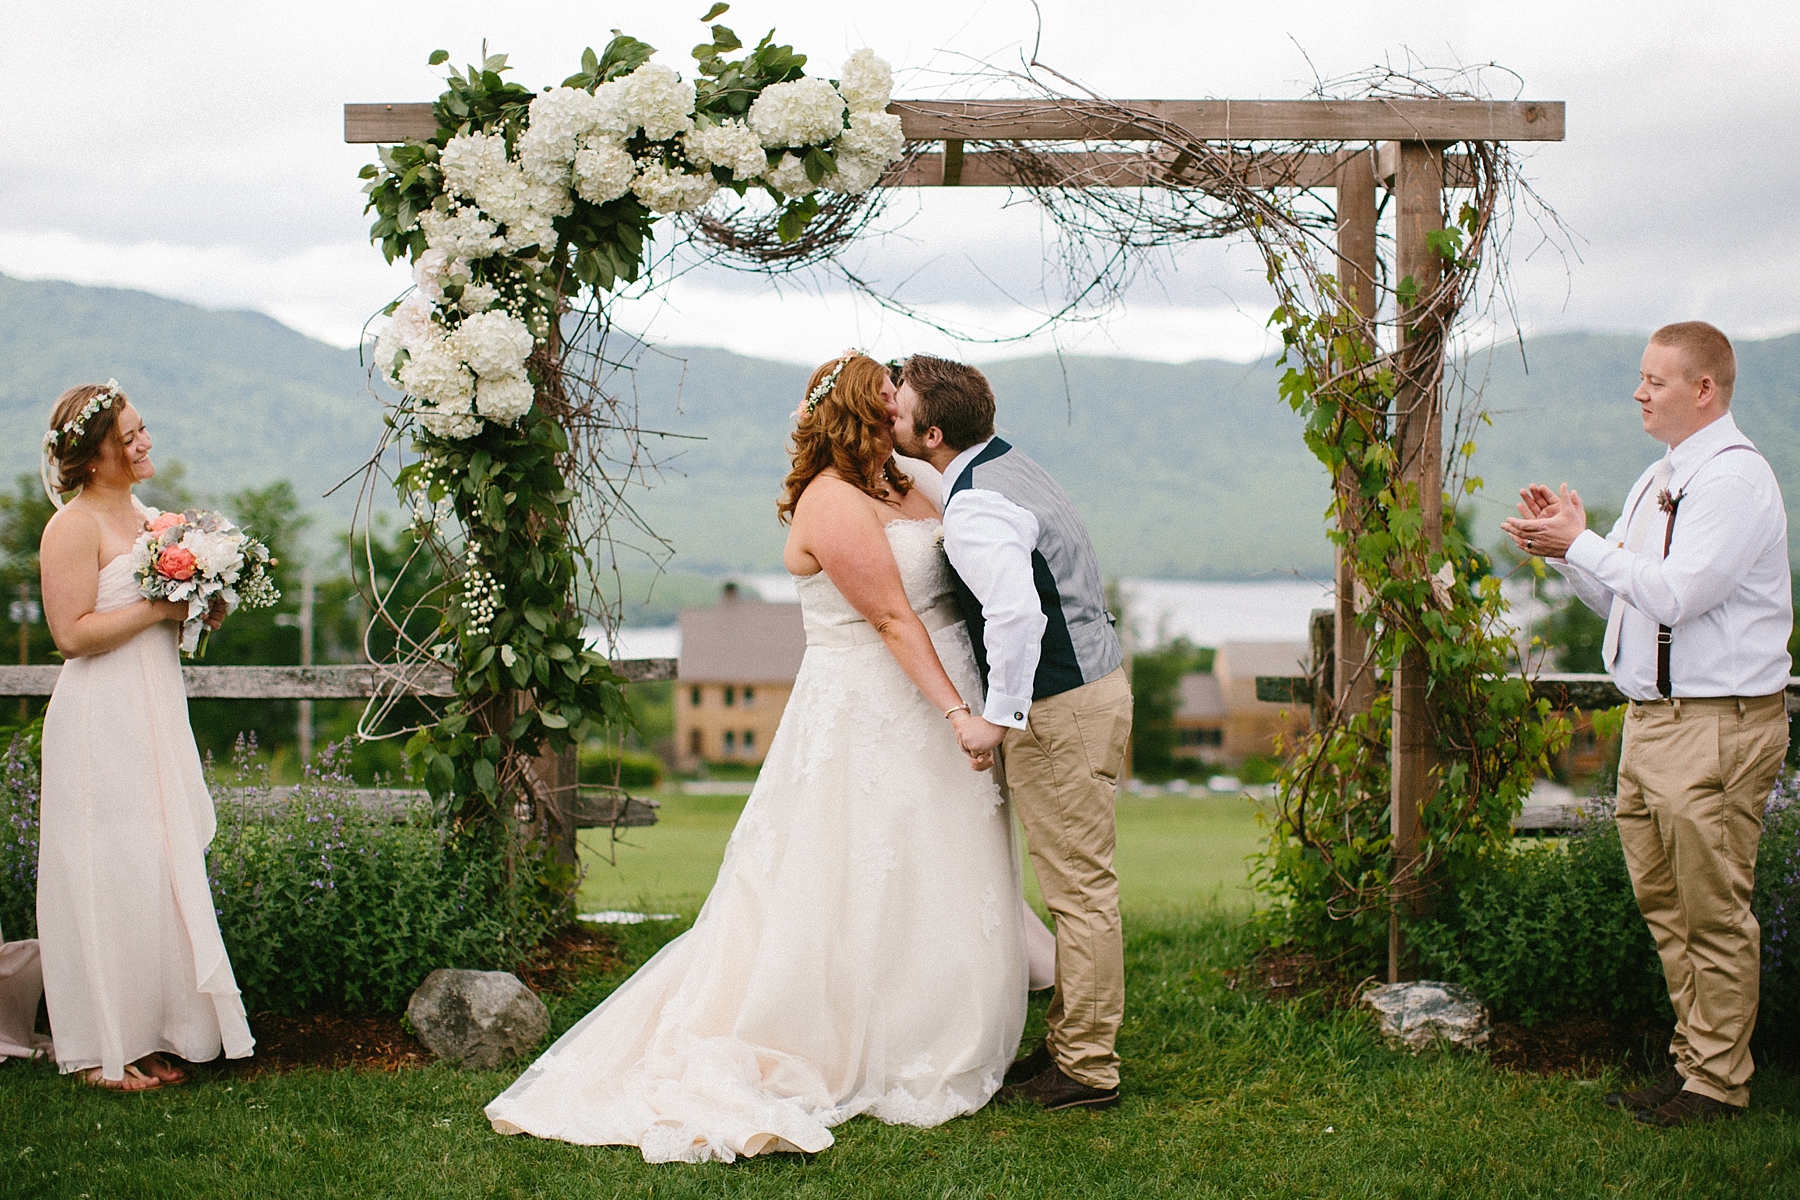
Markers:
point(132, 959)
point(864, 948)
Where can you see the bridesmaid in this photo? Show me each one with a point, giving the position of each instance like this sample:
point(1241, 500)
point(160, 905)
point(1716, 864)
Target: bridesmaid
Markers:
point(135, 973)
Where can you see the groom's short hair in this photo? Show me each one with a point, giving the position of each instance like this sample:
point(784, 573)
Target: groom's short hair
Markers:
point(953, 396)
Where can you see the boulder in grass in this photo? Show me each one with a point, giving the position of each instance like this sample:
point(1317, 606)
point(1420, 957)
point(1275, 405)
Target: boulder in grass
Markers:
point(1423, 1013)
point(477, 1019)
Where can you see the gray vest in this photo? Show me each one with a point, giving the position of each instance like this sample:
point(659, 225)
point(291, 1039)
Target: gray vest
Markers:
point(1079, 644)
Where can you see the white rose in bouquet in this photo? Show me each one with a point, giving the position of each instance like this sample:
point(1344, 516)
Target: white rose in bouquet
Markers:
point(805, 112)
point(503, 398)
point(658, 101)
point(730, 144)
point(666, 191)
point(867, 82)
point(603, 172)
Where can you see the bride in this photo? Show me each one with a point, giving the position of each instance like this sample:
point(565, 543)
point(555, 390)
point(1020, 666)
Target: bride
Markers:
point(134, 969)
point(865, 947)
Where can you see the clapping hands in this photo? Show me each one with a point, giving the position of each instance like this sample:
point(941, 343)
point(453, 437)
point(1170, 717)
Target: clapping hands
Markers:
point(1548, 522)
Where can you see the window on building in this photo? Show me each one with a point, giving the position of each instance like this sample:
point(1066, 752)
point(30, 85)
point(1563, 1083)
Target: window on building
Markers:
point(730, 742)
point(749, 740)
point(730, 697)
point(694, 697)
point(749, 696)
point(1202, 737)
point(695, 746)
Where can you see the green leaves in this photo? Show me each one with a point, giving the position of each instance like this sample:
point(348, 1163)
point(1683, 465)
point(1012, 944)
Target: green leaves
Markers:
point(438, 58)
point(717, 10)
point(795, 216)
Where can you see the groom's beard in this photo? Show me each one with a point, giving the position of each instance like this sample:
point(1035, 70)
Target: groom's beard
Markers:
point(914, 448)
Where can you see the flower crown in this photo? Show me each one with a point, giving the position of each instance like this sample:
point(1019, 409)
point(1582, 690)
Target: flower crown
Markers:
point(77, 424)
point(826, 384)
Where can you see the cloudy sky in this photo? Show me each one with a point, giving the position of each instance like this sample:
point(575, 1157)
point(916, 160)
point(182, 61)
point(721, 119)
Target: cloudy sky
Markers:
point(195, 150)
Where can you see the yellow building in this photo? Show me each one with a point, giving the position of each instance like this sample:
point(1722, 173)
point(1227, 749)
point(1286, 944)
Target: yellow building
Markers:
point(738, 663)
point(1219, 720)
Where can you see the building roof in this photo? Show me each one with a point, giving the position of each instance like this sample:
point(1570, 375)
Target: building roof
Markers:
point(1246, 660)
point(1202, 699)
point(741, 641)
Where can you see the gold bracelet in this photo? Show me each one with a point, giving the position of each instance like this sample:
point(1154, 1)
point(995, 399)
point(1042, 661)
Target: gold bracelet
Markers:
point(949, 712)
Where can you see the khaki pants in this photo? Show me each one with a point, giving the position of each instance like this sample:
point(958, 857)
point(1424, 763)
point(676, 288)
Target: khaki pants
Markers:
point(1694, 776)
point(1061, 773)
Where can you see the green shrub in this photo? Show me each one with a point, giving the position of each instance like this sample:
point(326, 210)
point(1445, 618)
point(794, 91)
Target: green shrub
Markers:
point(1555, 929)
point(604, 764)
point(324, 904)
point(19, 791)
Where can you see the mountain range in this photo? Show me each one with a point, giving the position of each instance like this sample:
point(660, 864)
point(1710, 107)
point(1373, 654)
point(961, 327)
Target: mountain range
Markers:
point(1193, 470)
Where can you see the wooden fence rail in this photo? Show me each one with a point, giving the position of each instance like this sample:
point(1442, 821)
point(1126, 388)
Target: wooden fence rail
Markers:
point(1564, 689)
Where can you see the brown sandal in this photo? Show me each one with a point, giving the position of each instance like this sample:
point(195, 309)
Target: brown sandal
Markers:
point(134, 1081)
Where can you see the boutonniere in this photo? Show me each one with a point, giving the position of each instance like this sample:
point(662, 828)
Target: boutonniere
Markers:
point(1666, 502)
point(939, 539)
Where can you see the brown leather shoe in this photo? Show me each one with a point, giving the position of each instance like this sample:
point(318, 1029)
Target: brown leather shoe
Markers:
point(1031, 1066)
point(1051, 1090)
point(1644, 1099)
point(1689, 1108)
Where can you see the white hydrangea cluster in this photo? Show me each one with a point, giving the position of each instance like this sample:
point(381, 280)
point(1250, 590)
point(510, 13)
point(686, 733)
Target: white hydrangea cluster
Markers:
point(729, 144)
point(460, 231)
point(864, 151)
point(788, 176)
point(495, 345)
point(666, 191)
point(461, 377)
point(603, 172)
point(804, 112)
point(658, 101)
point(866, 82)
point(511, 209)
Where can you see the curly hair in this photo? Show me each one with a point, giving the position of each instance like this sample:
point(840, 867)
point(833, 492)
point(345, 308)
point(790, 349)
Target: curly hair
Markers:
point(848, 430)
point(75, 457)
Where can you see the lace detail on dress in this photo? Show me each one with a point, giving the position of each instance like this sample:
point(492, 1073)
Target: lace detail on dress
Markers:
point(990, 912)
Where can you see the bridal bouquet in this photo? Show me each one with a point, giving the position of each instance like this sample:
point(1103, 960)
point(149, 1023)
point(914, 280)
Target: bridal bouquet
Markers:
point(198, 556)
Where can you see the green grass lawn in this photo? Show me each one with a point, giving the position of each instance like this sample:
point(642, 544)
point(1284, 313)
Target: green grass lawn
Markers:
point(1227, 1095)
point(1173, 851)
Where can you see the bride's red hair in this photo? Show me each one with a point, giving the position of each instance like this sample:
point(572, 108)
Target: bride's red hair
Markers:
point(847, 430)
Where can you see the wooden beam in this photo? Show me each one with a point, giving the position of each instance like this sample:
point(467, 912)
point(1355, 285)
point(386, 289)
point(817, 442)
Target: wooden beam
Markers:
point(1069, 120)
point(353, 682)
point(1356, 274)
point(1418, 443)
point(1106, 168)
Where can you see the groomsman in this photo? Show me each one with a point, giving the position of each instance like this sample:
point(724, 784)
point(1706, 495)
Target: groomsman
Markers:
point(1057, 710)
point(1694, 582)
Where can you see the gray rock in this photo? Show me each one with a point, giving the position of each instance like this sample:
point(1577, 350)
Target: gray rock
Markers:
point(1423, 1013)
point(477, 1019)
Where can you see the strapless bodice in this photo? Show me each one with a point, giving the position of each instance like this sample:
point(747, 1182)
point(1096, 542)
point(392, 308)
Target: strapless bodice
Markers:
point(924, 573)
point(118, 588)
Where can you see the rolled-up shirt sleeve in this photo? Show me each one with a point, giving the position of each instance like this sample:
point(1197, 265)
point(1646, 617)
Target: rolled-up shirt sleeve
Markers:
point(989, 541)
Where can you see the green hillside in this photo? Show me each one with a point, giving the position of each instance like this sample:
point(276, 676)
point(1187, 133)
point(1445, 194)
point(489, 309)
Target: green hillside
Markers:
point(1193, 470)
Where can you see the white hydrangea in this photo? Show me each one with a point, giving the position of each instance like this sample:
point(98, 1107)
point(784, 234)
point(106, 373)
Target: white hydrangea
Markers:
point(866, 82)
point(789, 177)
point(410, 329)
point(612, 117)
point(504, 398)
point(732, 145)
point(429, 273)
point(493, 344)
point(603, 172)
point(448, 423)
point(476, 297)
point(435, 374)
point(471, 160)
point(559, 119)
point(461, 232)
point(864, 151)
point(658, 101)
point(805, 112)
point(666, 191)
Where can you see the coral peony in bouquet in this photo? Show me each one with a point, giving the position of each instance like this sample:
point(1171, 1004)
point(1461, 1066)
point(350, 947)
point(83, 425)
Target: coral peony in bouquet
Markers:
point(199, 556)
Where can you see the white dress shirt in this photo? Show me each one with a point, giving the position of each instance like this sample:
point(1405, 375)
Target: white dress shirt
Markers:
point(1724, 588)
point(989, 541)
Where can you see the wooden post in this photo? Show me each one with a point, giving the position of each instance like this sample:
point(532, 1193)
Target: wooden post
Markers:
point(1322, 664)
point(1418, 442)
point(1354, 678)
point(305, 730)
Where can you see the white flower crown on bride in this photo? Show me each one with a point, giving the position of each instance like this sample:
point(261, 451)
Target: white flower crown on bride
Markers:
point(826, 384)
point(77, 424)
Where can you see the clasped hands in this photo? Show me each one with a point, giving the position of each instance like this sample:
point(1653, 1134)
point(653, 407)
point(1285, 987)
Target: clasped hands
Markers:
point(978, 737)
point(1548, 522)
point(177, 611)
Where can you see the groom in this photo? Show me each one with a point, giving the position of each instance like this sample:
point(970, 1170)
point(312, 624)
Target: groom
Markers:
point(1058, 707)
